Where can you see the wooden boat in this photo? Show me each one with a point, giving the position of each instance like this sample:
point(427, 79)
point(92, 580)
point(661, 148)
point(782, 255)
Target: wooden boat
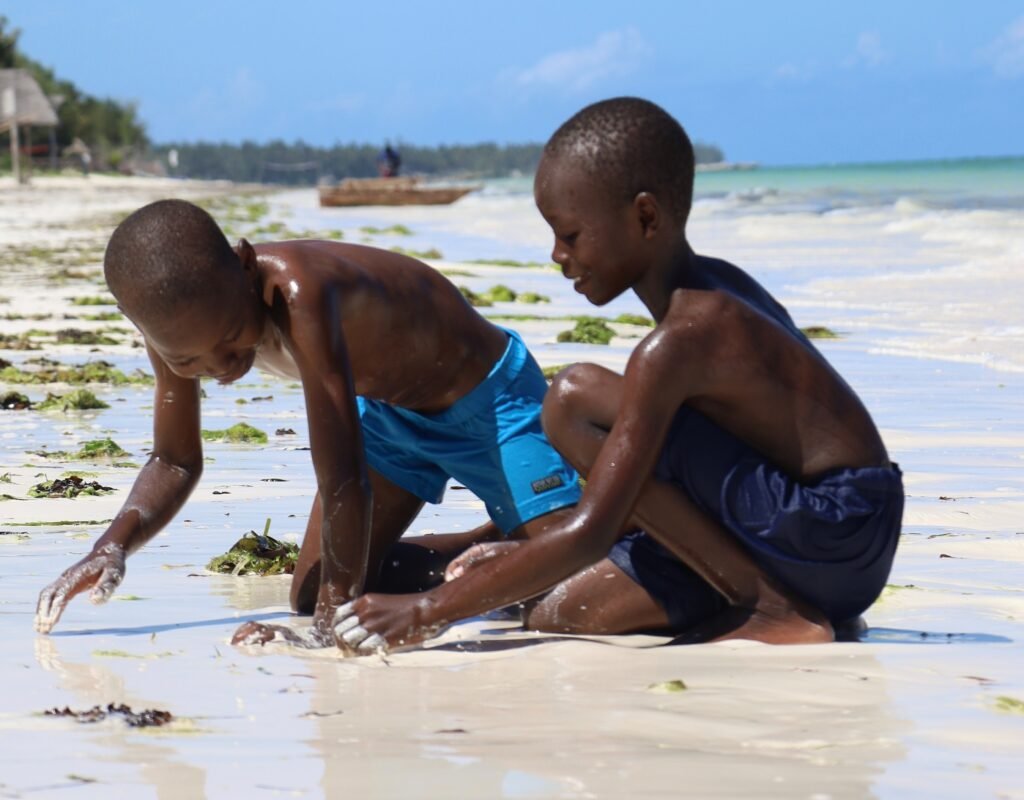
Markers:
point(389, 192)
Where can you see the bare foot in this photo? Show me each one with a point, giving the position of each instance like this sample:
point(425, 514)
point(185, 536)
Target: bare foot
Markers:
point(794, 627)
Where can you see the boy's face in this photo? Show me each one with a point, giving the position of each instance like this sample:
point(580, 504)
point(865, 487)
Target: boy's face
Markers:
point(599, 243)
point(217, 340)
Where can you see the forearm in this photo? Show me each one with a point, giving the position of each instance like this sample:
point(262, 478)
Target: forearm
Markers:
point(345, 541)
point(534, 567)
point(159, 492)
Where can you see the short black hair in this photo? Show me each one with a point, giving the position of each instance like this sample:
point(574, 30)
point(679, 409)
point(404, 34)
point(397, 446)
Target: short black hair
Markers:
point(166, 253)
point(630, 145)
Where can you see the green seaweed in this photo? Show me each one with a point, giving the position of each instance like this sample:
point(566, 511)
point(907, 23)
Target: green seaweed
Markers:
point(239, 433)
point(474, 299)
point(96, 449)
point(635, 319)
point(433, 252)
point(588, 330)
point(819, 332)
point(94, 301)
point(668, 687)
point(257, 554)
point(104, 316)
point(19, 341)
point(552, 371)
point(79, 336)
point(500, 294)
point(77, 400)
point(1009, 704)
point(391, 230)
point(533, 297)
point(50, 371)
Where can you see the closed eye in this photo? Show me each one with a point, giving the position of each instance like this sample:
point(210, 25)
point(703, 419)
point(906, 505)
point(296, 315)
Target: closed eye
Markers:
point(569, 239)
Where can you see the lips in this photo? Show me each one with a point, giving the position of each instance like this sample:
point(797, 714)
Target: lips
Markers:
point(233, 375)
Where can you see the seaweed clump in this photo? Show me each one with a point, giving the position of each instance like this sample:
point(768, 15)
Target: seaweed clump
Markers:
point(819, 332)
point(69, 487)
point(588, 330)
point(14, 401)
point(240, 433)
point(257, 554)
point(147, 718)
point(77, 400)
point(49, 371)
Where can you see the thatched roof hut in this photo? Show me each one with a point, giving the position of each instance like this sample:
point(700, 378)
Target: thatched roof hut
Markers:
point(22, 101)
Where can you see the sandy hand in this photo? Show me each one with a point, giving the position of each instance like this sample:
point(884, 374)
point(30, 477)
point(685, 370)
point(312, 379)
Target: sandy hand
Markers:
point(101, 572)
point(379, 623)
point(477, 555)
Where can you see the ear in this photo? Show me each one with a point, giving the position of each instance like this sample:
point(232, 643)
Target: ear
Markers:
point(246, 255)
point(648, 214)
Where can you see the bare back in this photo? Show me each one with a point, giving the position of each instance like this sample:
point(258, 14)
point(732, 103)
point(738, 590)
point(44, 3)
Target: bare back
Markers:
point(743, 363)
point(412, 338)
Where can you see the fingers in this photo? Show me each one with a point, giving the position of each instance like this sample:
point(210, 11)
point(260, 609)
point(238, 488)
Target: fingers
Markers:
point(353, 637)
point(51, 605)
point(109, 580)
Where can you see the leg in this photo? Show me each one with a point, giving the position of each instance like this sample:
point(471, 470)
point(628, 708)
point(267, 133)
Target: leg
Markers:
point(393, 510)
point(579, 409)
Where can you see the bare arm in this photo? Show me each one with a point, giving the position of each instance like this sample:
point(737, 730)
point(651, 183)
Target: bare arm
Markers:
point(314, 336)
point(160, 490)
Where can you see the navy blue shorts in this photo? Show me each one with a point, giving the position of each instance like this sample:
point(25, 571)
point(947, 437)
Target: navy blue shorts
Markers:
point(831, 542)
point(490, 441)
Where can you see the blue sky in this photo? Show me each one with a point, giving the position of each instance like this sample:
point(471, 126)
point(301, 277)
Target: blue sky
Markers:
point(782, 82)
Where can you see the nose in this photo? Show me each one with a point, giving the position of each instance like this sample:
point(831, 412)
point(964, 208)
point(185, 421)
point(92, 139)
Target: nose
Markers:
point(559, 254)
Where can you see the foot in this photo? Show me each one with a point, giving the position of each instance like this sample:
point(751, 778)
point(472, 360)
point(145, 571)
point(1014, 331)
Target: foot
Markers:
point(791, 627)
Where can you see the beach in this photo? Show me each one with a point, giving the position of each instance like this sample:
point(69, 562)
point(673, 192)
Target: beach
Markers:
point(923, 291)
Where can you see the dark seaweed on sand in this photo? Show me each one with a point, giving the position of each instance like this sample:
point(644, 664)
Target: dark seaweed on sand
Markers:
point(257, 554)
point(71, 486)
point(148, 718)
point(14, 401)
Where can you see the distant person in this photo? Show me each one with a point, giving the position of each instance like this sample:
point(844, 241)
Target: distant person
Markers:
point(736, 485)
point(405, 386)
point(389, 162)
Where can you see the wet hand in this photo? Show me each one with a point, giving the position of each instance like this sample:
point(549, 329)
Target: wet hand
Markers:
point(257, 633)
point(101, 572)
point(379, 623)
point(476, 555)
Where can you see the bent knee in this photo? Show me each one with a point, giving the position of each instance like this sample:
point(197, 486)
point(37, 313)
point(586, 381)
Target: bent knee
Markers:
point(569, 394)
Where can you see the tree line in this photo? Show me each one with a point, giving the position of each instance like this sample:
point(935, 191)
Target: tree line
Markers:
point(111, 129)
point(117, 139)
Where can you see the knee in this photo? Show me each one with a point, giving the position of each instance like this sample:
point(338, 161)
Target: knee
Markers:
point(566, 397)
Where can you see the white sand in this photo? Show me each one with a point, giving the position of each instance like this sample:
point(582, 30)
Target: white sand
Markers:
point(931, 308)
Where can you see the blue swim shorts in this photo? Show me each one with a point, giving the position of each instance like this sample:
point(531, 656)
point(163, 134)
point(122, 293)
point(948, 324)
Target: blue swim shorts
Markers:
point(490, 441)
point(832, 542)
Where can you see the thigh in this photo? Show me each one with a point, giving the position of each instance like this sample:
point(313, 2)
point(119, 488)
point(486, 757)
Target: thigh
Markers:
point(598, 600)
point(394, 509)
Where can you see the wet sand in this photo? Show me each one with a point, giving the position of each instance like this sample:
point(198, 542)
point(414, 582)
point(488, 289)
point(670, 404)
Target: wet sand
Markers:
point(924, 707)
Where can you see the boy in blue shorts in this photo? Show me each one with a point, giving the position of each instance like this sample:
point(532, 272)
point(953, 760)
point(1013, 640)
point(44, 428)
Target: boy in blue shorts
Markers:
point(405, 386)
point(736, 485)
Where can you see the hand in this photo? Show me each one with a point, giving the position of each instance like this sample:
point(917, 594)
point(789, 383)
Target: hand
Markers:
point(476, 555)
point(101, 571)
point(249, 633)
point(377, 623)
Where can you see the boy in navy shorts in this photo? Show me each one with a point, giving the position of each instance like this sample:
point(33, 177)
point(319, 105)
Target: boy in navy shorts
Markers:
point(405, 386)
point(736, 485)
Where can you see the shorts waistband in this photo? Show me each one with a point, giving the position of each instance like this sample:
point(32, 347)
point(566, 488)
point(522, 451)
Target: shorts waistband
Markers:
point(480, 399)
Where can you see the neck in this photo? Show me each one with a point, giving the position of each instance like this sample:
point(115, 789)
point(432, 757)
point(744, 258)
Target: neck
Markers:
point(668, 273)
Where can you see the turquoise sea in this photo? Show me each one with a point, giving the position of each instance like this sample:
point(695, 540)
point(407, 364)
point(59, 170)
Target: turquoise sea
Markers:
point(966, 183)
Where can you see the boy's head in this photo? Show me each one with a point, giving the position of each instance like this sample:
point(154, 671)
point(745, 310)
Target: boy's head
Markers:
point(615, 174)
point(629, 145)
point(176, 277)
point(165, 256)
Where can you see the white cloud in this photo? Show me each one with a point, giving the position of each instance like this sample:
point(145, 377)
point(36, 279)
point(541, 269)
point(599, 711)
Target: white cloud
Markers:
point(612, 54)
point(869, 51)
point(1006, 52)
